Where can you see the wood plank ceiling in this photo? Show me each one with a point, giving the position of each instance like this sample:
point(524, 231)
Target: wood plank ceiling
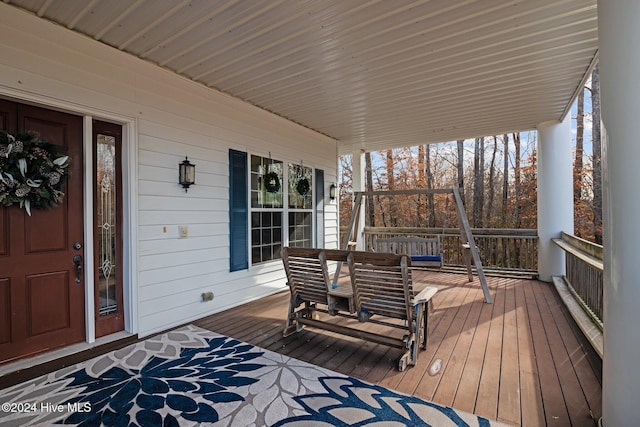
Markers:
point(372, 74)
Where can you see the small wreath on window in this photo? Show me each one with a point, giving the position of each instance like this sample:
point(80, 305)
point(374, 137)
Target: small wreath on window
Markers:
point(271, 182)
point(32, 173)
point(303, 186)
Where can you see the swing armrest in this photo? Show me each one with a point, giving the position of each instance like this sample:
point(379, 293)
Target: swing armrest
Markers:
point(425, 295)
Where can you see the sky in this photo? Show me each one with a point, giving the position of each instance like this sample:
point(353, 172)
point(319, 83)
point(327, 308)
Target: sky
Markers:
point(587, 121)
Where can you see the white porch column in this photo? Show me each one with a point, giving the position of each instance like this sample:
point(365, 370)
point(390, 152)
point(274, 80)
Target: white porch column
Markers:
point(358, 165)
point(619, 35)
point(555, 194)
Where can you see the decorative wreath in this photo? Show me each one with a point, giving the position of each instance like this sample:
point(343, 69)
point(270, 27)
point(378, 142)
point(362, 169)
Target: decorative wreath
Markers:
point(32, 173)
point(271, 182)
point(303, 186)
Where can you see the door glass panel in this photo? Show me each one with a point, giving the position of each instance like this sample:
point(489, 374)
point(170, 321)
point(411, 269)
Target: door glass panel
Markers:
point(106, 223)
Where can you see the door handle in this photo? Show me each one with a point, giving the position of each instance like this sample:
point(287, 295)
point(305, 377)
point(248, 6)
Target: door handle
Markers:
point(77, 260)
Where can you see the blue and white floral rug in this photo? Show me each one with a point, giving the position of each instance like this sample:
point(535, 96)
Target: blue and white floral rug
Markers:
point(191, 376)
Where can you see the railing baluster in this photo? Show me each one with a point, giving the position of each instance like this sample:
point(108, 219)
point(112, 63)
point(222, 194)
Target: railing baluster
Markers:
point(584, 272)
point(501, 249)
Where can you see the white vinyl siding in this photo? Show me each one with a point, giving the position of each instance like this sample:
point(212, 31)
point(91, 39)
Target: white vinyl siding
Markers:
point(173, 118)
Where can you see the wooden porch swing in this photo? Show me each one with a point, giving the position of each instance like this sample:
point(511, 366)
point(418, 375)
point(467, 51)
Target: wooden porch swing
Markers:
point(423, 252)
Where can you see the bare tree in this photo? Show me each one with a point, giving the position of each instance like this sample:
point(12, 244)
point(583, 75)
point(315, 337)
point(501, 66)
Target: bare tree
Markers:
point(505, 180)
point(492, 175)
point(345, 192)
point(422, 183)
point(439, 166)
point(431, 219)
point(460, 143)
point(391, 186)
point(369, 187)
point(478, 182)
point(596, 158)
point(578, 163)
point(517, 180)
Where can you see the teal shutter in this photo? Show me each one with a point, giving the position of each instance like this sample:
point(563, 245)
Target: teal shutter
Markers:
point(319, 190)
point(238, 211)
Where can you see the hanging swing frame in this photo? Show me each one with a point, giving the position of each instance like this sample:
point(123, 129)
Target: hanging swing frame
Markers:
point(469, 247)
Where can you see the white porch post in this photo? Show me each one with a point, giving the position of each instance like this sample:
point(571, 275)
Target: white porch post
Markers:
point(619, 37)
point(555, 194)
point(358, 165)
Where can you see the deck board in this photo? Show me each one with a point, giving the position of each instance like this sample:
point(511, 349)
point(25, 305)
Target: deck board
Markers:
point(509, 390)
point(520, 360)
point(489, 387)
point(555, 408)
point(532, 411)
point(426, 387)
point(443, 316)
point(467, 392)
point(572, 374)
point(446, 391)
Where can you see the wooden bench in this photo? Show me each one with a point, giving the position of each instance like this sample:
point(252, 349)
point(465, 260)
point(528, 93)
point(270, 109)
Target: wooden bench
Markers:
point(381, 292)
point(310, 284)
point(424, 251)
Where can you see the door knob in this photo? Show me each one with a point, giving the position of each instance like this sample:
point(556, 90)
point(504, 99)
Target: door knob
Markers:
point(77, 260)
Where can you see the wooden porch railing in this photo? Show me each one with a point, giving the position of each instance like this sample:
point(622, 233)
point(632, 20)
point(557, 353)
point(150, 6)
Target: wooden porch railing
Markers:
point(501, 250)
point(584, 274)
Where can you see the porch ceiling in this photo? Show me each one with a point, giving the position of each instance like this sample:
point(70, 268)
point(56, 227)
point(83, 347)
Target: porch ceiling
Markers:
point(371, 74)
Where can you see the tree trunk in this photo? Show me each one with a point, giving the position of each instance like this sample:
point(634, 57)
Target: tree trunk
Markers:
point(369, 187)
point(345, 189)
point(492, 175)
point(478, 183)
point(517, 180)
point(431, 219)
point(481, 196)
point(597, 153)
point(505, 180)
point(422, 183)
point(391, 186)
point(461, 169)
point(578, 164)
point(517, 193)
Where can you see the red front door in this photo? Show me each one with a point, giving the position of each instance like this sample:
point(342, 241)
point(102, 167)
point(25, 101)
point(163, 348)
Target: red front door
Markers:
point(41, 300)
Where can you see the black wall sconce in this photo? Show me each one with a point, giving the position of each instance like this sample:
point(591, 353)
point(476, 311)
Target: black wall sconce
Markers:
point(187, 174)
point(332, 192)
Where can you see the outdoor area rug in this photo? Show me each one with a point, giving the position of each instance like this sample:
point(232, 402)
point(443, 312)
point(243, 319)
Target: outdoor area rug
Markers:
point(191, 376)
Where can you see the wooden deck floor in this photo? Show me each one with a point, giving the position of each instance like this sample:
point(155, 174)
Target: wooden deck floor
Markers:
point(521, 360)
